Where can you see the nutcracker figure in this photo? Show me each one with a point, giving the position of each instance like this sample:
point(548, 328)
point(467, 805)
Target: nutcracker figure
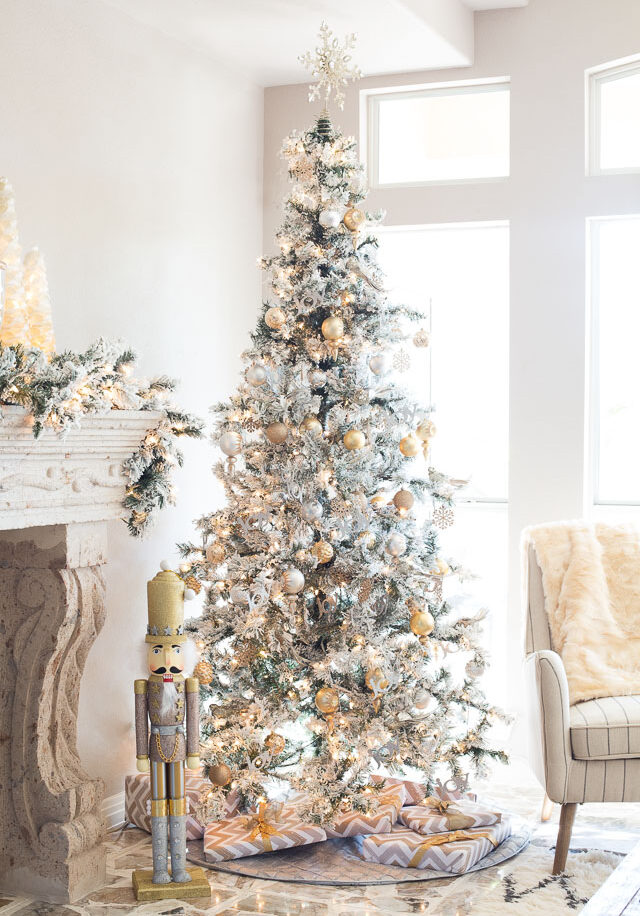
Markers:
point(167, 733)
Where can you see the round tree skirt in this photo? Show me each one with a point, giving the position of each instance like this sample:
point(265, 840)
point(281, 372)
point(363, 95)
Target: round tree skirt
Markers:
point(340, 859)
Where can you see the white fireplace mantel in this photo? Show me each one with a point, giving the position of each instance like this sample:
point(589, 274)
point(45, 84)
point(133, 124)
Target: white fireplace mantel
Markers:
point(56, 495)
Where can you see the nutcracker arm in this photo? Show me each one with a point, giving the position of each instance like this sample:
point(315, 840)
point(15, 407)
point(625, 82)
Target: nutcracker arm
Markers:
point(140, 688)
point(193, 720)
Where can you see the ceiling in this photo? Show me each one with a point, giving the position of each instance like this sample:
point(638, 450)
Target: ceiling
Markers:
point(263, 38)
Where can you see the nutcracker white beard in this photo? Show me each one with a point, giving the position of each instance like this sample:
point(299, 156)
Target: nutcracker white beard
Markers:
point(169, 697)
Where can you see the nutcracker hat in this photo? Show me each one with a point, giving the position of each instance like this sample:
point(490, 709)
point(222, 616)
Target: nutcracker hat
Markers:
point(165, 607)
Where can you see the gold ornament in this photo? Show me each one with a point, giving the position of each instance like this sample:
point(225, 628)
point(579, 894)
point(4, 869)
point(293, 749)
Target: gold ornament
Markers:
point(192, 583)
point(322, 551)
point(409, 446)
point(442, 568)
point(364, 593)
point(332, 328)
point(426, 430)
point(375, 679)
point(354, 439)
point(354, 218)
point(422, 623)
point(276, 433)
point(204, 672)
point(311, 425)
point(292, 581)
point(220, 774)
point(275, 743)
point(379, 500)
point(366, 538)
point(327, 700)
point(231, 443)
point(275, 318)
point(403, 500)
point(214, 553)
point(421, 339)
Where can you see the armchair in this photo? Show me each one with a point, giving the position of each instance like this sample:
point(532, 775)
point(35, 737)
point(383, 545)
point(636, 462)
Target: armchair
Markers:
point(588, 752)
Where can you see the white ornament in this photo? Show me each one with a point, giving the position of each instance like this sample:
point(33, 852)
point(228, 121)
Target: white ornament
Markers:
point(401, 361)
point(256, 375)
point(238, 595)
point(378, 363)
point(165, 565)
point(311, 511)
point(292, 581)
point(329, 219)
point(396, 545)
point(331, 66)
point(231, 444)
point(317, 378)
point(189, 594)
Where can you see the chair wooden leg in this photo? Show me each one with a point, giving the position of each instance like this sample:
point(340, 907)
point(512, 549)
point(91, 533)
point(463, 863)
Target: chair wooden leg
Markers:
point(547, 809)
point(567, 817)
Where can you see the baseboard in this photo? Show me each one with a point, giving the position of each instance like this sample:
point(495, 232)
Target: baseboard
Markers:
point(113, 810)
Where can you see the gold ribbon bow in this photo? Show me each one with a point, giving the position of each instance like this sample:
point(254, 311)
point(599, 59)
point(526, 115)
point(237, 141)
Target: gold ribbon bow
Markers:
point(455, 819)
point(438, 803)
point(454, 836)
point(260, 823)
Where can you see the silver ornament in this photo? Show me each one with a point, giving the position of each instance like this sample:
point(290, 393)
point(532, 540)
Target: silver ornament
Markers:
point(311, 510)
point(256, 374)
point(396, 545)
point(317, 378)
point(238, 595)
point(292, 581)
point(231, 444)
point(378, 363)
point(329, 219)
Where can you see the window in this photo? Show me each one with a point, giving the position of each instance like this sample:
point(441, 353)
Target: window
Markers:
point(465, 375)
point(615, 292)
point(439, 134)
point(614, 130)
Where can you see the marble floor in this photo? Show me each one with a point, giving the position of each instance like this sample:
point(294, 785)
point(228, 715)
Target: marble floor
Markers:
point(610, 827)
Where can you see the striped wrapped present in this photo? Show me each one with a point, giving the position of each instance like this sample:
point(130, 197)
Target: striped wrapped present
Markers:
point(354, 823)
point(414, 792)
point(274, 826)
point(437, 815)
point(454, 852)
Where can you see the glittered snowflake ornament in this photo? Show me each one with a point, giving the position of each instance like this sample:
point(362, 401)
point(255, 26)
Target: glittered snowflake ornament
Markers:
point(331, 66)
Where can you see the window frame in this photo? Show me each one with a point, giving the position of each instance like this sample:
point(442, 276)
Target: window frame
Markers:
point(595, 77)
point(369, 126)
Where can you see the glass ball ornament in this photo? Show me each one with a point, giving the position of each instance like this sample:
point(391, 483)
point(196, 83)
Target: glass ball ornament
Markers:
point(379, 363)
point(410, 446)
point(396, 545)
point(256, 375)
point(329, 219)
point(219, 774)
point(311, 511)
point(332, 328)
point(422, 623)
point(426, 430)
point(311, 425)
point(292, 581)
point(204, 672)
point(238, 595)
point(275, 318)
point(322, 551)
point(214, 553)
point(424, 702)
point(403, 500)
point(421, 338)
point(354, 439)
point(354, 218)
point(318, 378)
point(474, 668)
point(366, 538)
point(276, 433)
point(231, 444)
point(327, 700)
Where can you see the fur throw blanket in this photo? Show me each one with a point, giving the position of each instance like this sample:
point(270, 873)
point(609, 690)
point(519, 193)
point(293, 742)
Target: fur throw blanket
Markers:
point(591, 580)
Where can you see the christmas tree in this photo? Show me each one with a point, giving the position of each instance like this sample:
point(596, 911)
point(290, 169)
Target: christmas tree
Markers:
point(326, 628)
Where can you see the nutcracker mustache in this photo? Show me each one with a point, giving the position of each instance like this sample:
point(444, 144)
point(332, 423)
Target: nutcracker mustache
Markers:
point(162, 670)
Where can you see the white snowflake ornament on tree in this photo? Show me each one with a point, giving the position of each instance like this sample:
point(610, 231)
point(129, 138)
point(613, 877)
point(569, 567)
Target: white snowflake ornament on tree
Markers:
point(401, 361)
point(331, 65)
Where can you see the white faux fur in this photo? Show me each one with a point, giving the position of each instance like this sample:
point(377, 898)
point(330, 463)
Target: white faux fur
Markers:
point(591, 580)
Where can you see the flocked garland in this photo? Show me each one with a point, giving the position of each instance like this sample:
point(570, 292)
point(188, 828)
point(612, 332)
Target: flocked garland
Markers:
point(59, 391)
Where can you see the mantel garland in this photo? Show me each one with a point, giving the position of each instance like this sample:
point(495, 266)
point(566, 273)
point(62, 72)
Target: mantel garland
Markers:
point(59, 391)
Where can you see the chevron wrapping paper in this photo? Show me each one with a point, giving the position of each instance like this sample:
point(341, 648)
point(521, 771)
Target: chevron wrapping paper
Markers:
point(459, 815)
point(459, 852)
point(414, 792)
point(242, 835)
point(354, 823)
point(137, 798)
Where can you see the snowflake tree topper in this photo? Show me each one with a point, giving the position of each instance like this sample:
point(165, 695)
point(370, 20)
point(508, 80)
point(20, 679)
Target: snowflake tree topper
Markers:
point(331, 66)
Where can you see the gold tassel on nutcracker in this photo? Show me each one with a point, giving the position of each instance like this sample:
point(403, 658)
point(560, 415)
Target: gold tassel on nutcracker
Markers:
point(167, 738)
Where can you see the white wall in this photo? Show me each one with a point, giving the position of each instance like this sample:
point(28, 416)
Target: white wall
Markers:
point(137, 166)
point(545, 49)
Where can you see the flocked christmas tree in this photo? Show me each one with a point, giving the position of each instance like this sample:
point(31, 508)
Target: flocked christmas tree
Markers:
point(326, 631)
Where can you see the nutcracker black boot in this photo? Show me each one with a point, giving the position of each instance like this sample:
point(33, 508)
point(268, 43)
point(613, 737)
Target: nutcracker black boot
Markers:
point(178, 834)
point(159, 841)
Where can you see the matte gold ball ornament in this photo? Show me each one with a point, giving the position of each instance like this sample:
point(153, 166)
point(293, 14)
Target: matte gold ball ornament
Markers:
point(327, 700)
point(322, 551)
point(354, 218)
point(204, 672)
point(410, 446)
point(276, 433)
point(214, 553)
point(422, 623)
point(275, 743)
point(403, 500)
point(220, 774)
point(275, 318)
point(354, 439)
point(311, 425)
point(333, 328)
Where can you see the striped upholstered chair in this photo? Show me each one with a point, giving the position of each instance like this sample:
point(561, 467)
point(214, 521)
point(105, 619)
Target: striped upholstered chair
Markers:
point(588, 752)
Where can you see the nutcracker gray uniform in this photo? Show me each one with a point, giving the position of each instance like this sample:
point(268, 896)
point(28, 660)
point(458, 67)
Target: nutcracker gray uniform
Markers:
point(167, 726)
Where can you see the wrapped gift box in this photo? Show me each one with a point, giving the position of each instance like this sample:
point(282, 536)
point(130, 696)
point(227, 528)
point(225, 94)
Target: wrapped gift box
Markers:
point(354, 823)
point(274, 827)
point(137, 801)
point(454, 852)
point(435, 815)
point(414, 792)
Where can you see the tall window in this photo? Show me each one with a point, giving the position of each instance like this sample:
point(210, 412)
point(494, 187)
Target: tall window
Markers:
point(459, 275)
point(445, 133)
point(614, 121)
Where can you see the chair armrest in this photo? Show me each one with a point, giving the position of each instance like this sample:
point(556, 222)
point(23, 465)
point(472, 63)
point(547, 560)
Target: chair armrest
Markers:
point(549, 722)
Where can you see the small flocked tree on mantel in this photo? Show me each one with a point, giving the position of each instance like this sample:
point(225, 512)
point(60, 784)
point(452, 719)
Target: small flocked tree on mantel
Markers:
point(326, 630)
